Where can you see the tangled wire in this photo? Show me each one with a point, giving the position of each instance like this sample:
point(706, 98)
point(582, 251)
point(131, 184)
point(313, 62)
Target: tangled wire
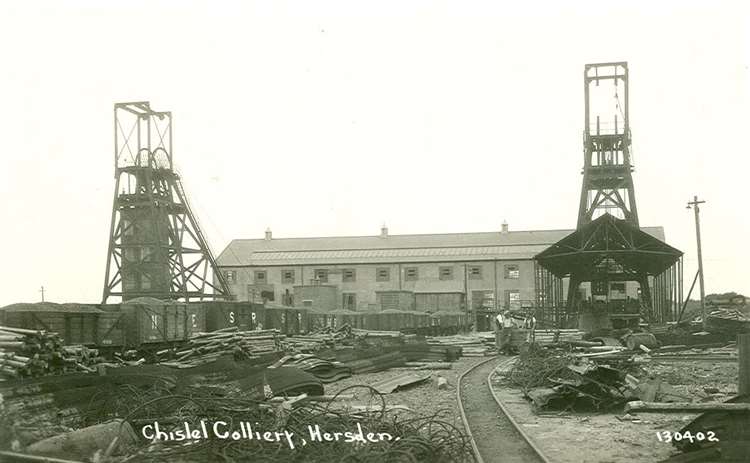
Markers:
point(536, 366)
point(409, 437)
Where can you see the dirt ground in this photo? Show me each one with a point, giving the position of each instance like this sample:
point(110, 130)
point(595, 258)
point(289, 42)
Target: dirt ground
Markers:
point(424, 398)
point(617, 437)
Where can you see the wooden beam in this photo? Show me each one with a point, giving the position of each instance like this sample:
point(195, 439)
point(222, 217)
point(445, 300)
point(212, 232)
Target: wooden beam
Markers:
point(686, 407)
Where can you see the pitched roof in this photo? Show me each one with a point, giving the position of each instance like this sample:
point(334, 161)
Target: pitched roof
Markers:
point(604, 240)
point(512, 245)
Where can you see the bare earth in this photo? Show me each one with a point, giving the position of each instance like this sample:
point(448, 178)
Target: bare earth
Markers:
point(425, 399)
point(603, 438)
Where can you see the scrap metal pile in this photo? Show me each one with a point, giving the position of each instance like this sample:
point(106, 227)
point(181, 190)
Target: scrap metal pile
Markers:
point(325, 370)
point(29, 353)
point(586, 375)
point(114, 419)
point(556, 379)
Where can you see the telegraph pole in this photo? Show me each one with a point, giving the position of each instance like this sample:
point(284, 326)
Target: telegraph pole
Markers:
point(42, 291)
point(694, 203)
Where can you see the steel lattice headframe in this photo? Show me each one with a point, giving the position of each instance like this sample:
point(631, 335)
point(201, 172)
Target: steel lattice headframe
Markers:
point(156, 246)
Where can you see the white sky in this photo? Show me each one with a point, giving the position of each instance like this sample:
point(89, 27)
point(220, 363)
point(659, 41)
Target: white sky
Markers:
point(330, 118)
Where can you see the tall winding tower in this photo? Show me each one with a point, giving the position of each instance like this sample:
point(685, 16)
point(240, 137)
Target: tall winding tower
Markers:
point(156, 247)
point(607, 169)
point(617, 273)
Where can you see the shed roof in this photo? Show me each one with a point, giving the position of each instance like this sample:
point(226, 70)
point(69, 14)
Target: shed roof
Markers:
point(589, 250)
point(448, 247)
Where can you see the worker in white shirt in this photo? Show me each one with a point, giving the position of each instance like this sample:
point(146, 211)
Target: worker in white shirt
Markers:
point(503, 327)
point(529, 324)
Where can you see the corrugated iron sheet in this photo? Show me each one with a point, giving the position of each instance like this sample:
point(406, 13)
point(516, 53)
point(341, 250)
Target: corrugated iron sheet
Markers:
point(403, 380)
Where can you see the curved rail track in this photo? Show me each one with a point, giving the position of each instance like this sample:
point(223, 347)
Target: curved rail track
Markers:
point(495, 435)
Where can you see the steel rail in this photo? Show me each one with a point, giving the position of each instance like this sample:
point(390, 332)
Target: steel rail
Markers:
point(477, 455)
point(529, 440)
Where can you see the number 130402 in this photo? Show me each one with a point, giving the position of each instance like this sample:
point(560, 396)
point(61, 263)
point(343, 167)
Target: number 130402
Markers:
point(669, 436)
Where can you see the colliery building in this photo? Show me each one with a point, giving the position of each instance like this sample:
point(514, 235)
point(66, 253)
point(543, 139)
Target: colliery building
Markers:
point(427, 272)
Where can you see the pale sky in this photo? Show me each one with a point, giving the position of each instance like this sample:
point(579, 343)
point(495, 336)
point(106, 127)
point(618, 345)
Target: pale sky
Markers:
point(331, 117)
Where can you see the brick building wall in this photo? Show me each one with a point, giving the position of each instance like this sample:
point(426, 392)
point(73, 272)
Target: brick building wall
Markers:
point(509, 281)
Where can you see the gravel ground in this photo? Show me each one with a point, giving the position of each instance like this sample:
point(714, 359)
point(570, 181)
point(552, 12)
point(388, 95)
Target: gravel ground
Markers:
point(424, 398)
point(497, 439)
point(603, 438)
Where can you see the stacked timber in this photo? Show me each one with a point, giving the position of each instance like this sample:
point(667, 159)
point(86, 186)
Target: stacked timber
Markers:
point(431, 352)
point(207, 347)
point(555, 336)
point(472, 345)
point(30, 353)
point(315, 341)
point(377, 334)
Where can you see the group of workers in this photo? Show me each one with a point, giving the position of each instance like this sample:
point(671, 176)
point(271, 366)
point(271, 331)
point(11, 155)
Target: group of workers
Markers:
point(504, 324)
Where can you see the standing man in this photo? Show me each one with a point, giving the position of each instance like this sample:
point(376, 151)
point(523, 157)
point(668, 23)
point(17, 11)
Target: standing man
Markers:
point(529, 324)
point(503, 328)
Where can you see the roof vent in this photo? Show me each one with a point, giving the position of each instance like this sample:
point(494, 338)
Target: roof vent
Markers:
point(269, 236)
point(504, 229)
point(384, 231)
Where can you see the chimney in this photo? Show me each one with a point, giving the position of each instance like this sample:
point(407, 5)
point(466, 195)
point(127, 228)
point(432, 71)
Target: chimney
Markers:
point(505, 227)
point(384, 231)
point(269, 236)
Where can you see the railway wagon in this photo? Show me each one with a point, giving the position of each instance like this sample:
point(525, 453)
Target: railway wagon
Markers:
point(297, 320)
point(372, 321)
point(74, 323)
point(396, 320)
point(280, 318)
point(448, 322)
point(322, 319)
point(245, 316)
point(196, 313)
point(419, 322)
point(343, 317)
point(144, 320)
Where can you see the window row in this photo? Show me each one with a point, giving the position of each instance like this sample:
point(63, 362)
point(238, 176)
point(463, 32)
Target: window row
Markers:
point(349, 275)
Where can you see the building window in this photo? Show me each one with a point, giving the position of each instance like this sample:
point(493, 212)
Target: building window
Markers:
point(230, 276)
point(475, 273)
point(512, 299)
point(321, 275)
point(260, 277)
point(287, 276)
point(446, 273)
point(411, 273)
point(349, 275)
point(145, 281)
point(512, 272)
point(350, 301)
point(383, 274)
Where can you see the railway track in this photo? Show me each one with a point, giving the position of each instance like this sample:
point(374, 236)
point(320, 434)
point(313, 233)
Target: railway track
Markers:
point(495, 435)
